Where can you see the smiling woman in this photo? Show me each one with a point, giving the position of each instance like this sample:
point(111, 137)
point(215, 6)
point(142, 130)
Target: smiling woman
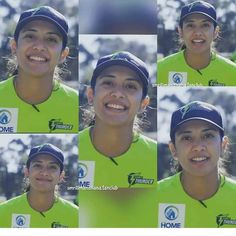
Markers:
point(39, 46)
point(39, 206)
point(197, 64)
point(116, 161)
point(203, 196)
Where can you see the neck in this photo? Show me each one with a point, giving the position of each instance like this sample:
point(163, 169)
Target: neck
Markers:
point(201, 187)
point(117, 140)
point(33, 90)
point(40, 201)
point(197, 61)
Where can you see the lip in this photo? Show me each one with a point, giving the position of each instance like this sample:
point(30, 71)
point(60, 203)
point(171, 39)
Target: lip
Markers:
point(115, 106)
point(43, 180)
point(37, 58)
point(199, 159)
point(198, 41)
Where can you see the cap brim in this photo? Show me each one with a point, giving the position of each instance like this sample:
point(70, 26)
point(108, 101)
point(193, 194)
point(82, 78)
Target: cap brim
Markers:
point(198, 118)
point(48, 153)
point(106, 64)
point(198, 12)
point(21, 24)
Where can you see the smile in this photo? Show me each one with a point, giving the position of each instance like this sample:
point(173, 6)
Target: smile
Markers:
point(115, 106)
point(199, 159)
point(37, 59)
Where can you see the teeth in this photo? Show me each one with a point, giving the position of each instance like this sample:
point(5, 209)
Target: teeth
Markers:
point(197, 40)
point(116, 106)
point(199, 159)
point(35, 58)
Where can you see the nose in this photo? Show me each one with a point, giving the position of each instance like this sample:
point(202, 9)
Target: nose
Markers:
point(199, 145)
point(117, 93)
point(39, 45)
point(44, 171)
point(198, 31)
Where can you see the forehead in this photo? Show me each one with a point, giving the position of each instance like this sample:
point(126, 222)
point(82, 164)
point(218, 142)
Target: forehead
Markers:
point(41, 25)
point(196, 125)
point(197, 17)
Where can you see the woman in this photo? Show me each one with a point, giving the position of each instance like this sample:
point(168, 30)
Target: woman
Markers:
point(118, 93)
point(197, 64)
point(39, 45)
point(199, 195)
point(117, 165)
point(40, 207)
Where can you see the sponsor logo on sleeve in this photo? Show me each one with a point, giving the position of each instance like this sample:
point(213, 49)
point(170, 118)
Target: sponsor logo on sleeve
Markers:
point(58, 225)
point(20, 221)
point(177, 78)
point(86, 174)
point(8, 120)
point(171, 215)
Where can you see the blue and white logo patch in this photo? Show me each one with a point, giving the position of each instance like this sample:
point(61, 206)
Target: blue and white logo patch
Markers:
point(20, 221)
point(8, 120)
point(177, 78)
point(86, 174)
point(171, 215)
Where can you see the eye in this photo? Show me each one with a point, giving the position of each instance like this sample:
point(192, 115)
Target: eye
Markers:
point(131, 86)
point(189, 25)
point(206, 25)
point(107, 83)
point(52, 39)
point(53, 167)
point(28, 36)
point(186, 138)
point(208, 136)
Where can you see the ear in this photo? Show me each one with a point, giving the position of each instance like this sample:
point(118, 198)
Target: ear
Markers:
point(173, 150)
point(64, 54)
point(144, 103)
point(225, 143)
point(90, 95)
point(13, 46)
point(216, 32)
point(62, 175)
point(26, 172)
point(180, 31)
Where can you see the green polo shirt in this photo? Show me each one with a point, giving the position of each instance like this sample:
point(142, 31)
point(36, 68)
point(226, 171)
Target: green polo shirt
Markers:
point(58, 114)
point(136, 168)
point(17, 213)
point(176, 209)
point(173, 70)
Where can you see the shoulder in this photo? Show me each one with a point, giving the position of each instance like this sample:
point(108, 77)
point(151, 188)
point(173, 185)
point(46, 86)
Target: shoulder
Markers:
point(145, 142)
point(67, 205)
point(13, 202)
point(84, 134)
point(170, 59)
point(169, 183)
point(6, 84)
point(225, 61)
point(230, 184)
point(70, 92)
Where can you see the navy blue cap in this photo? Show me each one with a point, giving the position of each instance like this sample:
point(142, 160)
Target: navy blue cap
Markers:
point(44, 13)
point(196, 110)
point(200, 7)
point(123, 58)
point(48, 149)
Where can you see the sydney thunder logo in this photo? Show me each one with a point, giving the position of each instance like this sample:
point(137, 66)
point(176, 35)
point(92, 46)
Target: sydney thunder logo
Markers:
point(137, 178)
point(55, 124)
point(224, 219)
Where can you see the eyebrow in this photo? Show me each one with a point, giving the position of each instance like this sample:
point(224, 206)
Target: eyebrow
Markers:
point(189, 132)
point(34, 30)
point(129, 78)
point(39, 161)
point(192, 20)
